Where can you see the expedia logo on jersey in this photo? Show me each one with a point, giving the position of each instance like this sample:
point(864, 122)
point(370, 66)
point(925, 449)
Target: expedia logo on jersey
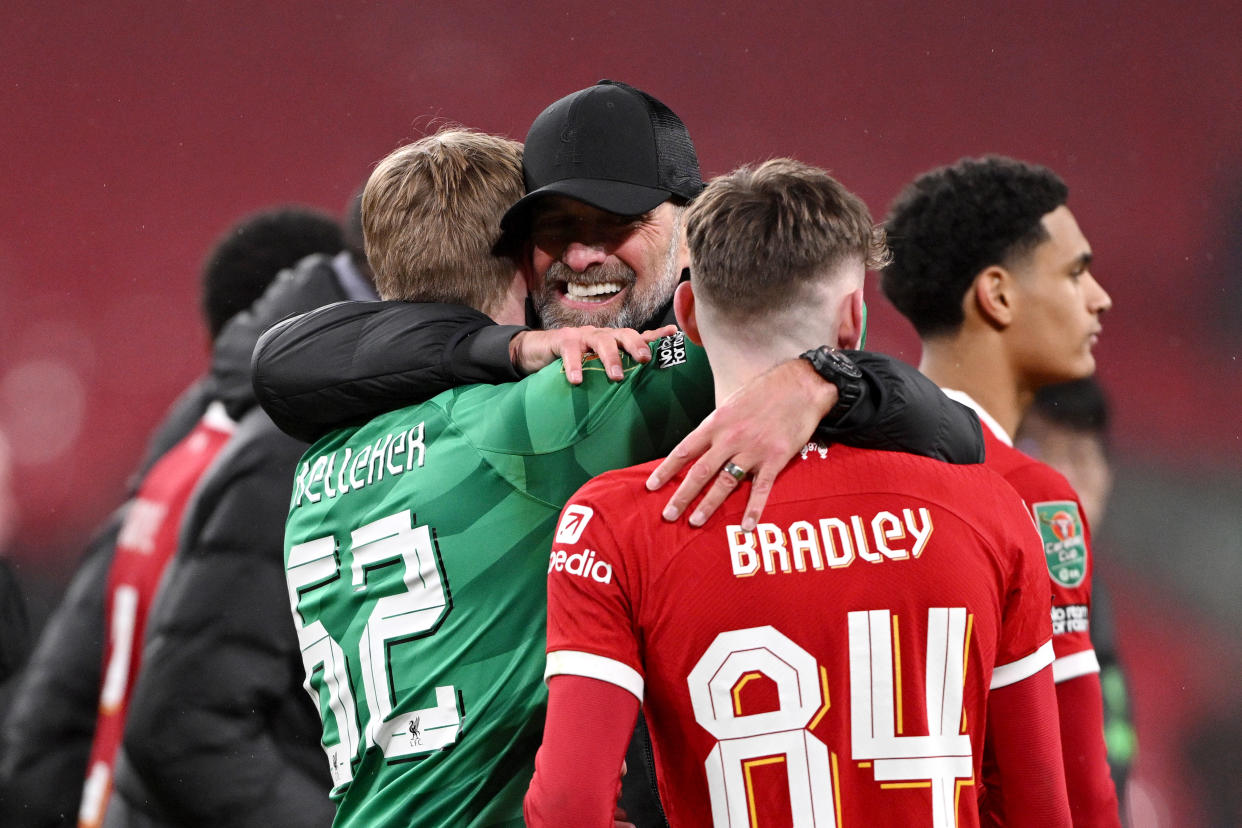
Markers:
point(573, 523)
point(671, 351)
point(583, 564)
point(1065, 547)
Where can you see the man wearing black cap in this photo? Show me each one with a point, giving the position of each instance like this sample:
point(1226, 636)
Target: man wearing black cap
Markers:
point(607, 171)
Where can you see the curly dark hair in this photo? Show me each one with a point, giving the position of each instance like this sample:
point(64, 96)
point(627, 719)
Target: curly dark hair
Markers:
point(952, 222)
point(246, 259)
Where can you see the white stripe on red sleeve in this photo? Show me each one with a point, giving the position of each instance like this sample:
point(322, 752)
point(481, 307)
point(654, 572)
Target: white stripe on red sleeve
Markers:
point(1074, 665)
point(590, 665)
point(1025, 667)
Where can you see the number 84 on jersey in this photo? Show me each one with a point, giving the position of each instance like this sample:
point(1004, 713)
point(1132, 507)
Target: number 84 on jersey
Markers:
point(941, 760)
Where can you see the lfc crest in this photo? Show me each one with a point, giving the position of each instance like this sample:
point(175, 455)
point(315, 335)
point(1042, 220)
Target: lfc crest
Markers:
point(1065, 547)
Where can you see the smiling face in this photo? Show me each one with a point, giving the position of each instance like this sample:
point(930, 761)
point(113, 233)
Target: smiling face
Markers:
point(1057, 306)
point(591, 267)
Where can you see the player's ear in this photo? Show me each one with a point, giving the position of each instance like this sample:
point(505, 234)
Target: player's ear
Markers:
point(683, 248)
point(850, 320)
point(992, 296)
point(683, 307)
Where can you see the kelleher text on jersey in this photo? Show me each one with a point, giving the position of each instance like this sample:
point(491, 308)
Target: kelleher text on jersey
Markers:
point(326, 478)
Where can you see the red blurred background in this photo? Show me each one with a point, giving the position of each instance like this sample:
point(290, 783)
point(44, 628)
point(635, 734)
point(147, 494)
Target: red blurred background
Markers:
point(134, 133)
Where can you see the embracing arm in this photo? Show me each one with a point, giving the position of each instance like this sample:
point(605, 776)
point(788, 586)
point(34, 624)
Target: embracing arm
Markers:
point(347, 362)
point(902, 410)
point(764, 424)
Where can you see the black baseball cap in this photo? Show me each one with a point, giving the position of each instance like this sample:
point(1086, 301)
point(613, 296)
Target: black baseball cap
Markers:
point(610, 146)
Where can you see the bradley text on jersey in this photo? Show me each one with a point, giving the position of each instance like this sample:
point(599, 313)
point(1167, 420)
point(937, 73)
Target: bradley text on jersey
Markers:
point(835, 541)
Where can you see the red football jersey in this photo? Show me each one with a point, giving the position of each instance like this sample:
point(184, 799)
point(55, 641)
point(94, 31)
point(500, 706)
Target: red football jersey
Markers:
point(1066, 537)
point(147, 541)
point(830, 667)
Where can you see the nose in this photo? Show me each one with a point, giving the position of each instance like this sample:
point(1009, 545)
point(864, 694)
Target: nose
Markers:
point(579, 255)
point(1097, 297)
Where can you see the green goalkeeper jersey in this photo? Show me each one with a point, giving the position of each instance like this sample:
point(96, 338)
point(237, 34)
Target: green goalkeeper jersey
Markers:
point(417, 554)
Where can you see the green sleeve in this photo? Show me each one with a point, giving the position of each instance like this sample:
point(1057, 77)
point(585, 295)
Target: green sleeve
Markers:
point(549, 437)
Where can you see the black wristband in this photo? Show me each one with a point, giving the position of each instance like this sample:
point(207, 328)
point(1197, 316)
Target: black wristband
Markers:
point(840, 370)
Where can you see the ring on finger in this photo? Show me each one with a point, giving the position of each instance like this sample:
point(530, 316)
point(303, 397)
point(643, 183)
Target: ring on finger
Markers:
point(735, 471)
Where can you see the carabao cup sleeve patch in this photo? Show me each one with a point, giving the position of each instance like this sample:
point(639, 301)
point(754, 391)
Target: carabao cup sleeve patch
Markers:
point(1065, 547)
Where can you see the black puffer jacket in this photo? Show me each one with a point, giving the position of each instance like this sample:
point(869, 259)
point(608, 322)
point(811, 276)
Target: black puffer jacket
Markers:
point(220, 731)
point(46, 738)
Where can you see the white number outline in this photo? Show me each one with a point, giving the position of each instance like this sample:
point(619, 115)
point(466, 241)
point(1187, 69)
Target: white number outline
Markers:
point(414, 613)
point(944, 755)
point(785, 730)
point(939, 759)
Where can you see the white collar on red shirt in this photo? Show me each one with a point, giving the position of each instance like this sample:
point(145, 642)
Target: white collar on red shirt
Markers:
point(984, 417)
point(216, 417)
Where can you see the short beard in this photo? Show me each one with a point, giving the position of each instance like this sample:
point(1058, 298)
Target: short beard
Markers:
point(640, 306)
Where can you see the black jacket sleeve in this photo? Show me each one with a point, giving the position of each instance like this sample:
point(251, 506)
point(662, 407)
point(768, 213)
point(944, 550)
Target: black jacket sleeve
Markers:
point(346, 363)
point(220, 730)
point(46, 739)
point(14, 627)
point(349, 362)
point(902, 410)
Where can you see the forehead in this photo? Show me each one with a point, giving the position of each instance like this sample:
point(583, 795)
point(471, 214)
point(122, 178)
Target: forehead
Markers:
point(561, 207)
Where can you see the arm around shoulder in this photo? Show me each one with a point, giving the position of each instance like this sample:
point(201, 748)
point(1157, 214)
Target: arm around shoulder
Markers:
point(349, 362)
point(902, 410)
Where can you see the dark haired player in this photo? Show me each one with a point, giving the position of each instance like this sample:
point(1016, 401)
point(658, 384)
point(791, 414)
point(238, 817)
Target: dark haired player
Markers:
point(992, 269)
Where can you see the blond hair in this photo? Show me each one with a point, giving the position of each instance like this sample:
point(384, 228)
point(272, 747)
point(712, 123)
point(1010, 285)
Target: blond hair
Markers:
point(431, 218)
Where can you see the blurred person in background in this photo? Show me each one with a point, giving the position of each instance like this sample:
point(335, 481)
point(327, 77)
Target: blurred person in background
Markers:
point(219, 731)
point(991, 268)
point(1067, 428)
point(67, 718)
point(14, 621)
